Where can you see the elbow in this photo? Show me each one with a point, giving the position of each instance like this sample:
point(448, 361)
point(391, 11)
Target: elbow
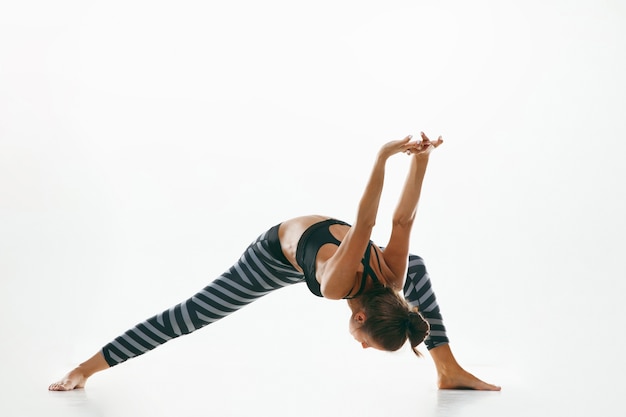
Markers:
point(404, 222)
point(330, 293)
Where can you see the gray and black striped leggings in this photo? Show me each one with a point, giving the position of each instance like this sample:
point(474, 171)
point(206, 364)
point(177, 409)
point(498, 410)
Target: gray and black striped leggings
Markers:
point(261, 269)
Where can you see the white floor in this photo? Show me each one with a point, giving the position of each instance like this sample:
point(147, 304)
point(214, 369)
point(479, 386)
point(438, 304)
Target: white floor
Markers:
point(281, 369)
point(143, 144)
point(197, 388)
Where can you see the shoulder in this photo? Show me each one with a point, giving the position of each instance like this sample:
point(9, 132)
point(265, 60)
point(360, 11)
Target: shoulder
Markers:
point(386, 276)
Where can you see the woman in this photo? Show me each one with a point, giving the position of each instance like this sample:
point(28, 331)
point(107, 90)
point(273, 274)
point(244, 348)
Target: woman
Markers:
point(337, 261)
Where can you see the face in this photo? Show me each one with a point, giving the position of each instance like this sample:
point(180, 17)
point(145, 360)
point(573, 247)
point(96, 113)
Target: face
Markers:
point(356, 322)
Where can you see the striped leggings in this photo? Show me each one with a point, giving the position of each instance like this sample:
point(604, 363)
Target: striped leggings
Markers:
point(261, 269)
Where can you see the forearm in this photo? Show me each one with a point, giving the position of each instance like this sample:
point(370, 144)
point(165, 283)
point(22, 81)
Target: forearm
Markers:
point(370, 201)
point(405, 212)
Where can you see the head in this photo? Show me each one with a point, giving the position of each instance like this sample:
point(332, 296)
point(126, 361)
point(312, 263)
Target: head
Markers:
point(382, 319)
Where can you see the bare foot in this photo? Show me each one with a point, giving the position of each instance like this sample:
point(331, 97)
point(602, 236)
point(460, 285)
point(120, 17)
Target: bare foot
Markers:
point(461, 379)
point(78, 377)
point(452, 376)
point(73, 380)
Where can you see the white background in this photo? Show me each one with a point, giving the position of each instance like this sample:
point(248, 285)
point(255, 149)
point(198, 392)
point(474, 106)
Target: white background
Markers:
point(144, 144)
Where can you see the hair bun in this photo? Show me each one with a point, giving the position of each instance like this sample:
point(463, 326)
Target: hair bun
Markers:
point(417, 328)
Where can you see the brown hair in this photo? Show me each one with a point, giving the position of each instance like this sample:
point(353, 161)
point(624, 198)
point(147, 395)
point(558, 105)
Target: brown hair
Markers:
point(390, 321)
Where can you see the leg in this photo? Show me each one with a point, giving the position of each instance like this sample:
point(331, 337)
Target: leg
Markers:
point(418, 292)
point(259, 271)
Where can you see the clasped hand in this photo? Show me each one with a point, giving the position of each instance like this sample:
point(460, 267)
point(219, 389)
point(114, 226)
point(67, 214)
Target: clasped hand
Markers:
point(420, 149)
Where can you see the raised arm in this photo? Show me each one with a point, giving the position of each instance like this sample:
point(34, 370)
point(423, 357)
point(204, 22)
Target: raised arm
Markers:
point(337, 276)
point(397, 251)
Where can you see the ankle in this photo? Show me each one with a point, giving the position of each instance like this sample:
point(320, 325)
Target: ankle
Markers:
point(445, 362)
point(448, 368)
point(84, 371)
point(94, 364)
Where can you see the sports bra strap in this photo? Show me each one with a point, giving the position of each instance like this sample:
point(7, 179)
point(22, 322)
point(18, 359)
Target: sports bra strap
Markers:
point(367, 270)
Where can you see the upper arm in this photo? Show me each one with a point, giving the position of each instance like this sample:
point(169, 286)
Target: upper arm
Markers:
point(396, 254)
point(338, 274)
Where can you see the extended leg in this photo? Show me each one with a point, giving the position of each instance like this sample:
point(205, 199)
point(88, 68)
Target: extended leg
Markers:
point(418, 292)
point(259, 271)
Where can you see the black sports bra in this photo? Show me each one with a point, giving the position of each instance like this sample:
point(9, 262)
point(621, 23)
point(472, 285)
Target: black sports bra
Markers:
point(309, 245)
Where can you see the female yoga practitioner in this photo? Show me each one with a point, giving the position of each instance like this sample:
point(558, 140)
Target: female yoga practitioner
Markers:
point(337, 261)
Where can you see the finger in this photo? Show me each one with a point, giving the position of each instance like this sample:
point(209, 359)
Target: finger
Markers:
point(413, 148)
point(424, 137)
point(411, 145)
point(438, 142)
